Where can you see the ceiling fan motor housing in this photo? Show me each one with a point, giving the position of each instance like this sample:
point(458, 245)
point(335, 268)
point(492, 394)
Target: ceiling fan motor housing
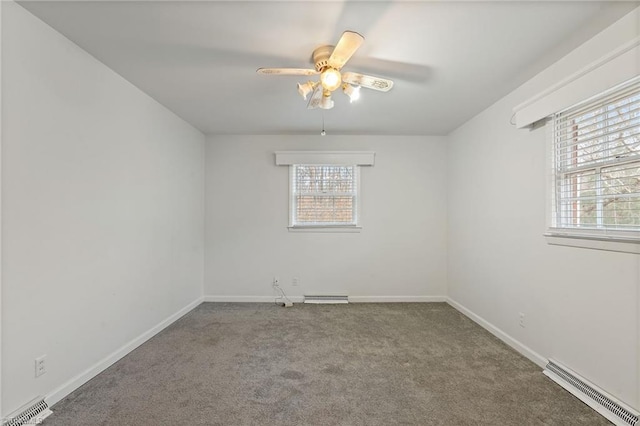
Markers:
point(321, 57)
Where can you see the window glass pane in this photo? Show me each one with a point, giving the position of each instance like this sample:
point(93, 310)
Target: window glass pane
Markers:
point(608, 132)
point(624, 128)
point(324, 195)
point(578, 194)
point(324, 179)
point(621, 196)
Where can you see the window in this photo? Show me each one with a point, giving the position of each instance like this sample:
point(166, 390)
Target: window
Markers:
point(323, 195)
point(596, 163)
point(324, 189)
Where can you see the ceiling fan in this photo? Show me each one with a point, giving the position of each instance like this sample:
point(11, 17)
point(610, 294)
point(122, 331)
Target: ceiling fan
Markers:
point(328, 61)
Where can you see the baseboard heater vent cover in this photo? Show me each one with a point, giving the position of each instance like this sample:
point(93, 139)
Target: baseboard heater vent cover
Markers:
point(326, 299)
point(32, 413)
point(605, 404)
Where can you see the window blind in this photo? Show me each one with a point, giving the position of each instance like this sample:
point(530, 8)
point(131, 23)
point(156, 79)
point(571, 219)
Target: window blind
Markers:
point(597, 163)
point(324, 195)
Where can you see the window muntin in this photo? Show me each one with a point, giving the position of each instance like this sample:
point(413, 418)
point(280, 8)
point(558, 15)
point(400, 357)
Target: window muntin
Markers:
point(324, 195)
point(597, 164)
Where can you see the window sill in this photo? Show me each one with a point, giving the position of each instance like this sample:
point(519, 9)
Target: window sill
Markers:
point(594, 241)
point(326, 229)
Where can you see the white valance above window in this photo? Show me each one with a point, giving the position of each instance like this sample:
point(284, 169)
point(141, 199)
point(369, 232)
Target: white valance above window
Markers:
point(340, 158)
point(617, 67)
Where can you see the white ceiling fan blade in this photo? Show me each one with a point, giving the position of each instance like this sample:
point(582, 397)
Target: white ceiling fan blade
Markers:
point(346, 47)
point(368, 81)
point(286, 71)
point(316, 97)
point(418, 73)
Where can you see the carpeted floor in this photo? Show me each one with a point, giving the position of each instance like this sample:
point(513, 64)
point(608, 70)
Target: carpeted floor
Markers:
point(358, 364)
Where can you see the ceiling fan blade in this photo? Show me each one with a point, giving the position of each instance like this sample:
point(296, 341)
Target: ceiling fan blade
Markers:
point(418, 73)
point(370, 82)
point(346, 47)
point(316, 97)
point(286, 71)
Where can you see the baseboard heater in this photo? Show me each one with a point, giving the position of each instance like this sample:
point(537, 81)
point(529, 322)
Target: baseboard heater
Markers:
point(333, 299)
point(32, 413)
point(614, 410)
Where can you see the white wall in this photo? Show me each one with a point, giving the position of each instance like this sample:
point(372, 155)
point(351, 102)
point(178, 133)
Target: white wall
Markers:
point(399, 255)
point(102, 217)
point(102, 210)
point(1, 410)
point(581, 306)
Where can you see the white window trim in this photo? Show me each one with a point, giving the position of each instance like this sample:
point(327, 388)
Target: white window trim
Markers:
point(558, 237)
point(326, 228)
point(596, 239)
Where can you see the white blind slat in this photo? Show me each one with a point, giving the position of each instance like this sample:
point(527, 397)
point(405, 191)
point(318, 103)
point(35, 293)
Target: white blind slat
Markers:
point(629, 120)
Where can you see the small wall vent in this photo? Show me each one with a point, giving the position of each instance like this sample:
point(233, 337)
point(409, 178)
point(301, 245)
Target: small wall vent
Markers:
point(333, 299)
point(614, 410)
point(32, 413)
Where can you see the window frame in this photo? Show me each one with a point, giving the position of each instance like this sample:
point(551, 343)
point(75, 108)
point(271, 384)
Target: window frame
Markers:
point(597, 236)
point(331, 228)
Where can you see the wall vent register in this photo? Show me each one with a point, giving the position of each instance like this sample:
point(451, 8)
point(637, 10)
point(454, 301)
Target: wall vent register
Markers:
point(605, 404)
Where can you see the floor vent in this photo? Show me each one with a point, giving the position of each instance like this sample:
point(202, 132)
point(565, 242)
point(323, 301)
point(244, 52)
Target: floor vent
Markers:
point(31, 414)
point(615, 411)
point(326, 299)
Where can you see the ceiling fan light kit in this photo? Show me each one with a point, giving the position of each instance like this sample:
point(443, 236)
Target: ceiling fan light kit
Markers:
point(353, 92)
point(326, 102)
point(306, 88)
point(328, 61)
point(331, 79)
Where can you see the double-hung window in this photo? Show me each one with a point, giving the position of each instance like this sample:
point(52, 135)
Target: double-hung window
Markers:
point(596, 164)
point(324, 189)
point(323, 196)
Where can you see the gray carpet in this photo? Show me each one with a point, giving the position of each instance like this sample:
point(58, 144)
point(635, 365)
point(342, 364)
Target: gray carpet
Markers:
point(358, 364)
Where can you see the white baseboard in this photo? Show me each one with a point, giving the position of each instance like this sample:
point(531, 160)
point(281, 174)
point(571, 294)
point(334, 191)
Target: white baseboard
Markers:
point(352, 299)
point(73, 384)
point(515, 344)
point(396, 299)
point(249, 299)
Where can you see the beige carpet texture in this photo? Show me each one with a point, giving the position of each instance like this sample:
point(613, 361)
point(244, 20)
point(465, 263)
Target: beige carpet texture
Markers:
point(358, 364)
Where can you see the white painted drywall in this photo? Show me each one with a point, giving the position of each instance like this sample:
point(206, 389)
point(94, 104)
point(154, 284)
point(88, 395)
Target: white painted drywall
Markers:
point(400, 253)
point(1, 5)
point(580, 305)
point(102, 209)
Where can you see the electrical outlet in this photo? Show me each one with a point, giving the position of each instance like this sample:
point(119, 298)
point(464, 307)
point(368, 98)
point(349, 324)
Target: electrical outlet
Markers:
point(41, 367)
point(295, 281)
point(521, 316)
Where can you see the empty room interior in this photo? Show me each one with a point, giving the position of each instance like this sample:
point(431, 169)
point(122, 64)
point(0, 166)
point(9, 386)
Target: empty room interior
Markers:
point(320, 212)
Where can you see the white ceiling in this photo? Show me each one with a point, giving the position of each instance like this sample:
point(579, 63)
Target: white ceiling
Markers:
point(449, 60)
